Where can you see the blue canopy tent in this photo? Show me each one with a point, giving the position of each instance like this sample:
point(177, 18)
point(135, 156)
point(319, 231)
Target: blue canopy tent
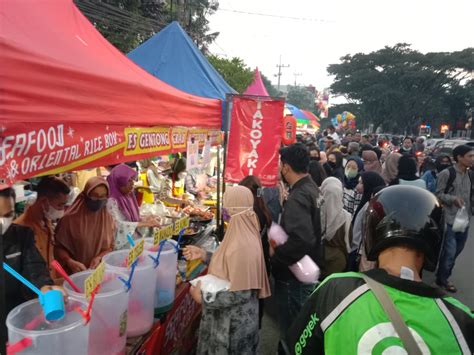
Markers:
point(172, 56)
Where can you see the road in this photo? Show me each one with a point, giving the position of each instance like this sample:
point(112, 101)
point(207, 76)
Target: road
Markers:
point(462, 276)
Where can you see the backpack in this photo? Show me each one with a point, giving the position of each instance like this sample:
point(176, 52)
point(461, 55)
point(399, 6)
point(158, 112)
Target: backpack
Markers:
point(452, 177)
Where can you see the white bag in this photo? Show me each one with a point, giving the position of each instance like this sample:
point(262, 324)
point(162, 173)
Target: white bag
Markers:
point(461, 221)
point(210, 286)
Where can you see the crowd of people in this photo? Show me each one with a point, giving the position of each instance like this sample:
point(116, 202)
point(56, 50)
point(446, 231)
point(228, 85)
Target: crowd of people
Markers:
point(349, 204)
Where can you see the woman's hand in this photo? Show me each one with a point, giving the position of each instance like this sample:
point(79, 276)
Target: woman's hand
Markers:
point(192, 252)
point(195, 292)
point(75, 266)
point(95, 262)
point(149, 222)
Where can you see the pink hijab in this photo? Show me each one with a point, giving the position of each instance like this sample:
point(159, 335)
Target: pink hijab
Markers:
point(128, 205)
point(371, 161)
point(239, 258)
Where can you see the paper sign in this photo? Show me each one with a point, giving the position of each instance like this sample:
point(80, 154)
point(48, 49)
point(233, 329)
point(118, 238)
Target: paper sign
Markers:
point(94, 279)
point(163, 233)
point(135, 252)
point(192, 156)
point(180, 224)
point(206, 154)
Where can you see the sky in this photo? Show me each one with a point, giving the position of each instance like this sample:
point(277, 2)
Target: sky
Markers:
point(332, 29)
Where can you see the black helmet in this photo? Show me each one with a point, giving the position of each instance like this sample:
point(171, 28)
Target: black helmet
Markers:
point(404, 215)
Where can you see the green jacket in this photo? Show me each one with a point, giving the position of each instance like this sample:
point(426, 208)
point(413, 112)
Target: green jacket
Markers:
point(343, 317)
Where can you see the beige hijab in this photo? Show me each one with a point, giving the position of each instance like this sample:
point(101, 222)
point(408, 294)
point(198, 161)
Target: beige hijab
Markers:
point(390, 167)
point(239, 258)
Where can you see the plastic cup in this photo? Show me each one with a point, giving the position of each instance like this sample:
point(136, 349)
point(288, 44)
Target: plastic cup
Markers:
point(53, 305)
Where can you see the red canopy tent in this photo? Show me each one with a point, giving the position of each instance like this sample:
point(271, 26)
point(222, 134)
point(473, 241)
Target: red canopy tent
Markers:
point(70, 99)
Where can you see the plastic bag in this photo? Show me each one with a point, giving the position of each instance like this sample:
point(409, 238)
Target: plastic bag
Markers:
point(210, 286)
point(305, 270)
point(461, 221)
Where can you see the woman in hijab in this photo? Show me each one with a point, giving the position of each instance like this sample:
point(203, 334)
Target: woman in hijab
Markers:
point(123, 205)
point(352, 172)
point(369, 182)
point(407, 173)
point(86, 232)
point(430, 176)
point(317, 172)
point(229, 324)
point(371, 161)
point(336, 226)
point(333, 167)
point(390, 167)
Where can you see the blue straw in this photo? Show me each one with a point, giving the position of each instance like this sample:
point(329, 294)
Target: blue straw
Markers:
point(130, 240)
point(128, 283)
point(22, 280)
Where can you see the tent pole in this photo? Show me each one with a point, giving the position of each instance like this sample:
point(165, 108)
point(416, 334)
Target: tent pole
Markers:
point(3, 314)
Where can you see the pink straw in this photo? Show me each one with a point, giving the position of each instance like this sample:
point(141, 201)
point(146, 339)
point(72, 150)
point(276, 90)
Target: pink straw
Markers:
point(19, 346)
point(64, 274)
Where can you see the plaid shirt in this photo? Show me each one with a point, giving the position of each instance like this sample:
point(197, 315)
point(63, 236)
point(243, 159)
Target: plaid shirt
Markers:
point(351, 199)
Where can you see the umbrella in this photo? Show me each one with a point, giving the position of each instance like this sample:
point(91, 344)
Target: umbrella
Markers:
point(312, 117)
point(295, 112)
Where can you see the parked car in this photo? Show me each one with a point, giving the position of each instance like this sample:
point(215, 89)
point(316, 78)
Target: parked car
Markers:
point(432, 143)
point(446, 147)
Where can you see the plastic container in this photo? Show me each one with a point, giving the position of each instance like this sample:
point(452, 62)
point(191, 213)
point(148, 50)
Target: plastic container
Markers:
point(141, 293)
point(165, 274)
point(108, 324)
point(66, 336)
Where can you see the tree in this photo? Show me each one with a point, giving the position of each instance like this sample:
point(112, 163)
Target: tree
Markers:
point(234, 71)
point(399, 88)
point(128, 23)
point(272, 91)
point(301, 98)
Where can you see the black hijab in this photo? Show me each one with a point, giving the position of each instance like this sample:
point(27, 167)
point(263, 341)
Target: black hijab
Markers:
point(371, 181)
point(407, 168)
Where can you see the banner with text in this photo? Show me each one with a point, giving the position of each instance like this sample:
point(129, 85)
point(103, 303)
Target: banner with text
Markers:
point(54, 148)
point(254, 139)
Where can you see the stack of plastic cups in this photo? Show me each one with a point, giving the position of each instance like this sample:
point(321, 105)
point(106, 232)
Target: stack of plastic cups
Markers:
point(141, 293)
point(30, 333)
point(108, 322)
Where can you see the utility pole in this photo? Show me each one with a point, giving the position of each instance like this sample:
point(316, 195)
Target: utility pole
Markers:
point(296, 75)
point(280, 66)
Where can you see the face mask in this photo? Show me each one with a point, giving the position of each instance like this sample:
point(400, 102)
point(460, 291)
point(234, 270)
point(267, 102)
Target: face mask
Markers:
point(351, 173)
point(443, 166)
point(181, 176)
point(95, 205)
point(5, 222)
point(332, 164)
point(53, 214)
point(225, 215)
point(314, 158)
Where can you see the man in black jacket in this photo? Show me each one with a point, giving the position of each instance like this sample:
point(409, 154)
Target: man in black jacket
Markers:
point(19, 252)
point(301, 221)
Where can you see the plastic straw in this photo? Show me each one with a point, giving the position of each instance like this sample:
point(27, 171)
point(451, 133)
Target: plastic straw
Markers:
point(64, 274)
point(22, 280)
point(19, 346)
point(130, 240)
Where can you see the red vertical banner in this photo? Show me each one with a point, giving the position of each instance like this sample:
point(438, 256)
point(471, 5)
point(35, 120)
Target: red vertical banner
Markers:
point(254, 139)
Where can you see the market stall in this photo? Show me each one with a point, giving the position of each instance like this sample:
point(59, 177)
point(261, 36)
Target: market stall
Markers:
point(70, 101)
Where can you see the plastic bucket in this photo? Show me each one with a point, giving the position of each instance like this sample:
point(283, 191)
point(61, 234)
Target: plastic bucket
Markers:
point(108, 324)
point(165, 274)
point(141, 293)
point(68, 335)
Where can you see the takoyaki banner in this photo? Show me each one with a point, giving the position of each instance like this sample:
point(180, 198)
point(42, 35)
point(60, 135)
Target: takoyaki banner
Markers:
point(53, 148)
point(254, 139)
